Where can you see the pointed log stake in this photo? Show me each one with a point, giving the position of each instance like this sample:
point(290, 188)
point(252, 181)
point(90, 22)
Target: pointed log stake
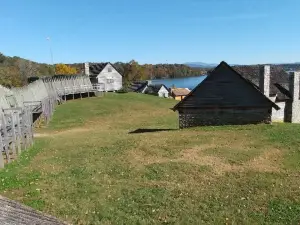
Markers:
point(5, 138)
point(1, 148)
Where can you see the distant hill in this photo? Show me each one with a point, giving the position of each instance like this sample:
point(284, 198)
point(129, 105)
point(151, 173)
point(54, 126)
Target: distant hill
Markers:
point(200, 65)
point(286, 66)
point(14, 71)
point(157, 71)
point(290, 66)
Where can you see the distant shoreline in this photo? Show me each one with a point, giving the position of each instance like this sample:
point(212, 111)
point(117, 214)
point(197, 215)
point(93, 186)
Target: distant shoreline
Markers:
point(182, 82)
point(166, 78)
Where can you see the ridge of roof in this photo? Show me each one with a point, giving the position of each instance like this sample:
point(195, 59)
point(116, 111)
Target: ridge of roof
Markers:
point(156, 87)
point(97, 68)
point(184, 91)
point(277, 75)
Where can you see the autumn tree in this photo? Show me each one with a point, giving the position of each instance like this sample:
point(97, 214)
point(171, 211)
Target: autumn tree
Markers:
point(133, 72)
point(26, 69)
point(2, 58)
point(10, 77)
point(63, 69)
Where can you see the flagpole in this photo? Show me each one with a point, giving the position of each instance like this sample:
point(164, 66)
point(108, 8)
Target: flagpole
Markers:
point(51, 53)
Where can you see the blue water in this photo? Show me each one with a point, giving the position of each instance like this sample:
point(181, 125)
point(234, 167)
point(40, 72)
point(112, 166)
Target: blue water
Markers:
point(185, 82)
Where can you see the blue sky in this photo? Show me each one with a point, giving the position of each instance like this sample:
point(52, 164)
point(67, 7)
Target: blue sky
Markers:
point(152, 31)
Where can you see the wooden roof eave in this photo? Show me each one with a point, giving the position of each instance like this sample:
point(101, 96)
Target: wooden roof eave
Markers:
point(219, 107)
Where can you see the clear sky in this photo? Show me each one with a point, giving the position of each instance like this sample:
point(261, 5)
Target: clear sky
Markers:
point(152, 31)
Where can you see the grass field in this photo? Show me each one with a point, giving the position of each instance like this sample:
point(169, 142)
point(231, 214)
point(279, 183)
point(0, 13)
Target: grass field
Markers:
point(98, 163)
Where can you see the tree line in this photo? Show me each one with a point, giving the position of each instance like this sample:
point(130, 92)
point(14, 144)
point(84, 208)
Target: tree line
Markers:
point(15, 71)
point(133, 71)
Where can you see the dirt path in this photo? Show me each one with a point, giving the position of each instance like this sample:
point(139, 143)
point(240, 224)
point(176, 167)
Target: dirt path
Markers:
point(63, 132)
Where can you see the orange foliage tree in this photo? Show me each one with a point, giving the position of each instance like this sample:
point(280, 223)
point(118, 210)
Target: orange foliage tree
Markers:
point(63, 69)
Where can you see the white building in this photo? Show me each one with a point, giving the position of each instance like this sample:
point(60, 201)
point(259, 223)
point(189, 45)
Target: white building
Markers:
point(104, 75)
point(156, 89)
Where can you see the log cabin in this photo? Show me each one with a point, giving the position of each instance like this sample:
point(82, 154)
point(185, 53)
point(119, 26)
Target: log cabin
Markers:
point(225, 97)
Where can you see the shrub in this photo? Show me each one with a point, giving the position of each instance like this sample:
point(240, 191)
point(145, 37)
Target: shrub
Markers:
point(123, 90)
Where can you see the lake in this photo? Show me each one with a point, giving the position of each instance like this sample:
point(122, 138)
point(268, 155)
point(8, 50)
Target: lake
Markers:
point(184, 82)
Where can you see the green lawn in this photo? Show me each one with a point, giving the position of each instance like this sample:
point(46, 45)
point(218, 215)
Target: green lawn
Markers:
point(87, 167)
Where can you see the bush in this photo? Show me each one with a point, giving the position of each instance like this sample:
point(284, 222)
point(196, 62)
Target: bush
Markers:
point(123, 90)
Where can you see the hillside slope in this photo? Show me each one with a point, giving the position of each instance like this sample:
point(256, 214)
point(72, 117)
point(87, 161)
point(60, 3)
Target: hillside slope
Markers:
point(14, 71)
point(120, 159)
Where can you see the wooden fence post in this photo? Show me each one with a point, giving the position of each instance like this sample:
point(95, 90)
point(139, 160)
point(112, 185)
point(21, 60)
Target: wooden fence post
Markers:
point(2, 148)
point(5, 138)
point(13, 134)
point(19, 133)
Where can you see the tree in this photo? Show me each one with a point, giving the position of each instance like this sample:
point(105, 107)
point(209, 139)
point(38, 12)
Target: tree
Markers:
point(133, 72)
point(10, 77)
point(2, 58)
point(26, 69)
point(63, 69)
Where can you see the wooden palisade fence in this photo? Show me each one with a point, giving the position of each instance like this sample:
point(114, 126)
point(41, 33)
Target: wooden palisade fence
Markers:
point(18, 107)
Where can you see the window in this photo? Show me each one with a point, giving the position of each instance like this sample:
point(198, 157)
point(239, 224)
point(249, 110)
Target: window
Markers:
point(11, 100)
point(109, 69)
point(110, 81)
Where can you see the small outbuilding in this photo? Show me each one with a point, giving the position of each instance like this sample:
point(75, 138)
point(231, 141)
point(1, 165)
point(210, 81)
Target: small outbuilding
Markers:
point(225, 97)
point(179, 93)
point(159, 90)
point(138, 86)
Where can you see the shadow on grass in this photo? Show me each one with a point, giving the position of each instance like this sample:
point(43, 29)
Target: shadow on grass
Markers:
point(141, 131)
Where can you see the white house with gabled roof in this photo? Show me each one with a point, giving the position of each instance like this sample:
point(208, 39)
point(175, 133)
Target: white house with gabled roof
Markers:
point(104, 76)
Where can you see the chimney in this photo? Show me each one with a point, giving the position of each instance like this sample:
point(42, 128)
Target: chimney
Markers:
point(294, 90)
point(294, 85)
point(87, 69)
point(264, 80)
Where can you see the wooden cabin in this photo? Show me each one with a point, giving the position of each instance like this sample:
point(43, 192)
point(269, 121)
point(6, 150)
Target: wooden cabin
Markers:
point(159, 90)
point(179, 93)
point(225, 97)
point(104, 75)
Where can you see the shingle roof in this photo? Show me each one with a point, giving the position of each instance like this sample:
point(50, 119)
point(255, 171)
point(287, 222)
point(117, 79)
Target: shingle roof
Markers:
point(96, 68)
point(239, 74)
point(180, 91)
point(138, 86)
point(284, 89)
point(278, 75)
point(154, 88)
point(13, 212)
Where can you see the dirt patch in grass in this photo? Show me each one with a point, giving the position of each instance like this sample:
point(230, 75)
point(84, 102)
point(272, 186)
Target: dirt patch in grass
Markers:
point(269, 161)
point(192, 156)
point(196, 156)
point(46, 162)
point(63, 132)
point(49, 168)
point(266, 162)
